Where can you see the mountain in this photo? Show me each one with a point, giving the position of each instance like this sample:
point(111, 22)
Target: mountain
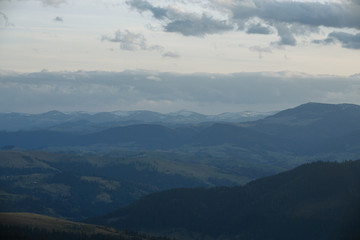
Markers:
point(339, 118)
point(314, 201)
point(34, 226)
point(306, 133)
point(315, 127)
point(89, 122)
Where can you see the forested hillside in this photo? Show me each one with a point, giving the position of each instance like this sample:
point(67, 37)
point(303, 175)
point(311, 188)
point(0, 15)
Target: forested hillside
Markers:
point(314, 201)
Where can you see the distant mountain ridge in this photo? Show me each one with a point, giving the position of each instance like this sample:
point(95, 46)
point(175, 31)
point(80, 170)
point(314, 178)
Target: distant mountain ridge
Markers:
point(55, 120)
point(308, 129)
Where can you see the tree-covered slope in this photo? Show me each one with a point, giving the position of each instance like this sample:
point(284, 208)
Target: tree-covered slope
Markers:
point(314, 201)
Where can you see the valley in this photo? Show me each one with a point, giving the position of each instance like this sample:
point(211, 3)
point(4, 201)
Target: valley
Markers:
point(190, 180)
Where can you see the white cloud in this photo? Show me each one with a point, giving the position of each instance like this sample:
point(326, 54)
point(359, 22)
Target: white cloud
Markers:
point(131, 41)
point(171, 55)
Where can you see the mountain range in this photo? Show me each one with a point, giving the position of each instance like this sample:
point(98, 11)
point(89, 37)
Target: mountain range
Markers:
point(313, 130)
point(84, 121)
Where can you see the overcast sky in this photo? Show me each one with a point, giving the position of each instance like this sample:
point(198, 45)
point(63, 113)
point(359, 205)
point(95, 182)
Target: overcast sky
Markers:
point(208, 56)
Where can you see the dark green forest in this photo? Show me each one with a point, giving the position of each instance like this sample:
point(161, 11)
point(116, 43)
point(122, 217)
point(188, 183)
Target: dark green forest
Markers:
point(314, 201)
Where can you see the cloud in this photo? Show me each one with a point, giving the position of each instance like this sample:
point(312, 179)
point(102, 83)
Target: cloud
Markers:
point(347, 40)
point(143, 6)
point(171, 55)
point(337, 15)
point(356, 2)
point(156, 91)
point(260, 50)
point(289, 18)
point(4, 20)
point(292, 18)
point(258, 29)
point(58, 19)
point(131, 41)
point(194, 25)
point(53, 3)
point(178, 21)
point(285, 34)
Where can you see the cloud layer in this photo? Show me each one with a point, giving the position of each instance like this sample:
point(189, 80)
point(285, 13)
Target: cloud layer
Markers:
point(166, 92)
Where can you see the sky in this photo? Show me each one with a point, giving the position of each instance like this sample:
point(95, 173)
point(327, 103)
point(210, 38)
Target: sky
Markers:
point(208, 56)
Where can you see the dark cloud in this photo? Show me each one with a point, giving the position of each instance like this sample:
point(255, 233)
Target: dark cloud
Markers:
point(187, 24)
point(258, 29)
point(297, 18)
point(285, 34)
point(58, 19)
point(171, 55)
point(289, 18)
point(131, 41)
point(143, 6)
point(324, 41)
point(133, 90)
point(194, 25)
point(347, 40)
point(306, 13)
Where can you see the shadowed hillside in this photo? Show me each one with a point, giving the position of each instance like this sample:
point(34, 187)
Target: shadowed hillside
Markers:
point(314, 201)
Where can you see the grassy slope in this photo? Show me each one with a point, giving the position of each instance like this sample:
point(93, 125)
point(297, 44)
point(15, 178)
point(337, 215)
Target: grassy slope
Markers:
point(51, 223)
point(34, 226)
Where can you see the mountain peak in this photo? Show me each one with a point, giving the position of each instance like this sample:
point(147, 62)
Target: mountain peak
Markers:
point(316, 109)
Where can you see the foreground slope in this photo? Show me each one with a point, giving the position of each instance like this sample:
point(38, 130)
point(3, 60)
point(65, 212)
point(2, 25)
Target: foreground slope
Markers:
point(314, 201)
point(34, 226)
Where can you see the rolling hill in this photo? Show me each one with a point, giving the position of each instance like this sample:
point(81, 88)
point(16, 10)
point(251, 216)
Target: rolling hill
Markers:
point(76, 186)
